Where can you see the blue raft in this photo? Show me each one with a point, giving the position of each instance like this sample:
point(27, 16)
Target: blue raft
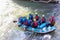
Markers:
point(40, 29)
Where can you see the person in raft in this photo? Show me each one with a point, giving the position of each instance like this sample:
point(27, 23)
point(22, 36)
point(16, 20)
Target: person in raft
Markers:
point(35, 24)
point(31, 16)
point(52, 21)
point(28, 22)
point(24, 19)
point(21, 20)
point(37, 17)
point(43, 20)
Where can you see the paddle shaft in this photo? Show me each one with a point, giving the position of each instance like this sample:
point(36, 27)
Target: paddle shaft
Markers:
point(14, 21)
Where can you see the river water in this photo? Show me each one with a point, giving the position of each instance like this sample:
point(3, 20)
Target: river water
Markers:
point(11, 9)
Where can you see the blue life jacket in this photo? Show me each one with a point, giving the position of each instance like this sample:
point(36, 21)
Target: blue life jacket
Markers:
point(29, 22)
point(24, 19)
point(30, 16)
point(20, 19)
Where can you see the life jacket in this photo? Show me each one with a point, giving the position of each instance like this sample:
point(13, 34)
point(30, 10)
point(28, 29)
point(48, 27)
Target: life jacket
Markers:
point(30, 16)
point(37, 17)
point(20, 19)
point(43, 19)
point(29, 21)
point(24, 20)
point(52, 21)
point(26, 23)
point(35, 24)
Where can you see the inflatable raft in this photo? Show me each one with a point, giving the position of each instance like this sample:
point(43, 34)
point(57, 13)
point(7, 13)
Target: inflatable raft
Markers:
point(40, 29)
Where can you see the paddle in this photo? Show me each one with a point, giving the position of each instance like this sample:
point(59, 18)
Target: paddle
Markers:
point(14, 21)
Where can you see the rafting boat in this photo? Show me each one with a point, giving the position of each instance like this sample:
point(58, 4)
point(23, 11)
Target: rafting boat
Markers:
point(40, 28)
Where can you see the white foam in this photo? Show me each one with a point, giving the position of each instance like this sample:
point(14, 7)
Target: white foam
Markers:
point(20, 35)
point(47, 36)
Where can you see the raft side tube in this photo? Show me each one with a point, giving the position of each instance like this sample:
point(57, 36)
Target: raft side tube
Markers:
point(42, 25)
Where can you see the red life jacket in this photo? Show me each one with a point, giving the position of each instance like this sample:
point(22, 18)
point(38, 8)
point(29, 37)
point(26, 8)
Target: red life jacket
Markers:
point(51, 20)
point(37, 17)
point(35, 23)
point(43, 19)
point(26, 23)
